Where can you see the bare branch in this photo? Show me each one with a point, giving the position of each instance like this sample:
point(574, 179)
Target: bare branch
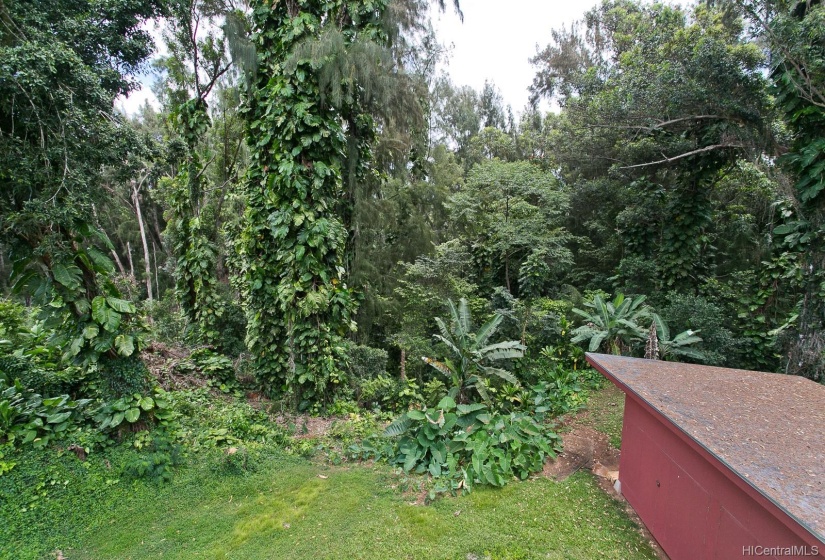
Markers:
point(681, 156)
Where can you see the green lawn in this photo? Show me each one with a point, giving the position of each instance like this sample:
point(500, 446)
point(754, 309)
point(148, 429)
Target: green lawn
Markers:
point(605, 412)
point(294, 509)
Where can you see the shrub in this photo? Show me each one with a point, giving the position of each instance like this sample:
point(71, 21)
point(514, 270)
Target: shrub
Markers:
point(218, 369)
point(365, 362)
point(689, 312)
point(467, 444)
point(157, 461)
point(206, 423)
point(28, 418)
point(123, 376)
point(137, 410)
point(467, 368)
point(387, 393)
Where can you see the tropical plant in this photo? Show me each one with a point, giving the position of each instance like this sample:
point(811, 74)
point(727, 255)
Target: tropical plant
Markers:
point(134, 408)
point(612, 325)
point(467, 444)
point(471, 352)
point(678, 346)
point(27, 417)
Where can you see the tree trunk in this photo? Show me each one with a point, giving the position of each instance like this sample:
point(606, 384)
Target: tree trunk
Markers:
point(119, 264)
point(403, 364)
point(147, 262)
point(155, 254)
point(131, 263)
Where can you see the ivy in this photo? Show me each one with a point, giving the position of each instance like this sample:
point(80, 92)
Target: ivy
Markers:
point(293, 244)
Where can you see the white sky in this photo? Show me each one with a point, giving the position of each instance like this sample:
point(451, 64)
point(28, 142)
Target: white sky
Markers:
point(497, 39)
point(495, 42)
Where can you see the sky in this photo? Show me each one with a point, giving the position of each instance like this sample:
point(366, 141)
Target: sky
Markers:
point(498, 38)
point(495, 42)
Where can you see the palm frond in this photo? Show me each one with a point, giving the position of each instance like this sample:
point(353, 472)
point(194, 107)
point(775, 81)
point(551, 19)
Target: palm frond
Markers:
point(694, 353)
point(662, 330)
point(686, 339)
point(582, 313)
point(479, 386)
point(596, 341)
point(440, 366)
point(464, 316)
point(449, 343)
point(442, 328)
point(503, 350)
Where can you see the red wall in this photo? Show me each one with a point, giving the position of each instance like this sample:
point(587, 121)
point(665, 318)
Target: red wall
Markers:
point(694, 506)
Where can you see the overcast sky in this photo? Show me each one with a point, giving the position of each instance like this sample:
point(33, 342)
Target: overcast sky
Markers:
point(495, 43)
point(498, 38)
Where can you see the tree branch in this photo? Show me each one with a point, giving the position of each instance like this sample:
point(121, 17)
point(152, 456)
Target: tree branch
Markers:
point(681, 156)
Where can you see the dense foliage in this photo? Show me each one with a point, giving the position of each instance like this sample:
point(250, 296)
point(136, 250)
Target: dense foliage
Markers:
point(313, 219)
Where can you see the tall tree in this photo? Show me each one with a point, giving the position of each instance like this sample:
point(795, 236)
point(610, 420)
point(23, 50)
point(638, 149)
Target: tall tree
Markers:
point(794, 32)
point(63, 65)
point(196, 62)
point(662, 102)
point(293, 244)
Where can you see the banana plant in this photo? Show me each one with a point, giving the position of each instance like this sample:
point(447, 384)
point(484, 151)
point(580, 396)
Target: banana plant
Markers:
point(678, 346)
point(467, 369)
point(612, 325)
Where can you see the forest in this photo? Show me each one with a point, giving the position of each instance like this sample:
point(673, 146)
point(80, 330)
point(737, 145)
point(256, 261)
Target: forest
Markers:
point(314, 221)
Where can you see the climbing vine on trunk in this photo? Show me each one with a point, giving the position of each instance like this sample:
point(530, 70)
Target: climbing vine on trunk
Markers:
point(293, 245)
point(195, 280)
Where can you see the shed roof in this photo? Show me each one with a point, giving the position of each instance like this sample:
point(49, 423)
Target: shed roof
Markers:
point(768, 428)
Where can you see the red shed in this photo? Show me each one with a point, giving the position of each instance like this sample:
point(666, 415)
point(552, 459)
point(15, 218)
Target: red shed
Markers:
point(722, 463)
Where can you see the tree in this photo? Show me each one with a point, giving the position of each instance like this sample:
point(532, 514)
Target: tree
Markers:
point(659, 102)
point(795, 36)
point(197, 61)
point(293, 245)
point(309, 130)
point(515, 212)
point(63, 65)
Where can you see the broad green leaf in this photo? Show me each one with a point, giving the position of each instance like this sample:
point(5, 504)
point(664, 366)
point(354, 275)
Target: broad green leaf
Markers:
point(90, 331)
point(125, 344)
point(120, 305)
point(99, 310)
point(468, 408)
point(68, 276)
point(58, 417)
point(117, 418)
point(132, 415)
point(446, 404)
point(415, 415)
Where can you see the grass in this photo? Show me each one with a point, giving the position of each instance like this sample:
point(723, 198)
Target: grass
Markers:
point(296, 509)
point(604, 413)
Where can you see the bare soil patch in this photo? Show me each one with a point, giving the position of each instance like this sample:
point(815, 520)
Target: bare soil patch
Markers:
point(584, 448)
point(586, 439)
point(161, 360)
